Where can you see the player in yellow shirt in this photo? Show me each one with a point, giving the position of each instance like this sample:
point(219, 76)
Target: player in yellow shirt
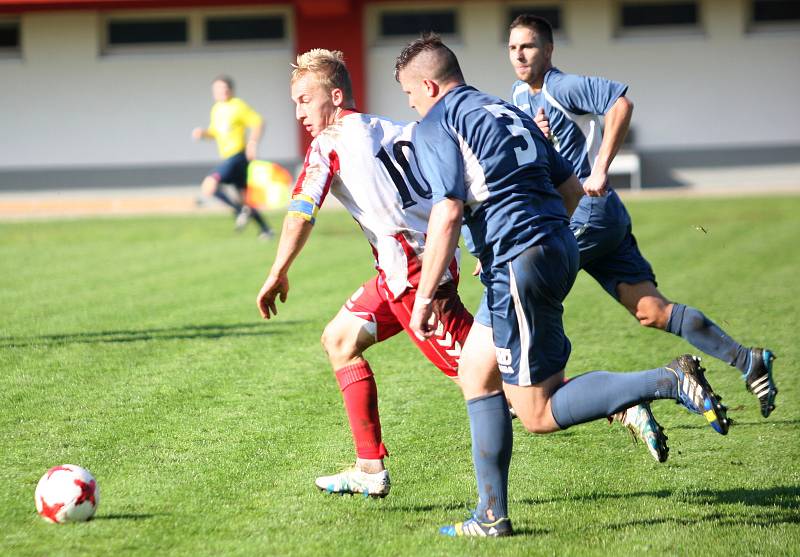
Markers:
point(231, 117)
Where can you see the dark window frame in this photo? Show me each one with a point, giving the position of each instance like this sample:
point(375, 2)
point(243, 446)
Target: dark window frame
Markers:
point(661, 21)
point(541, 10)
point(649, 15)
point(269, 19)
point(409, 14)
point(14, 27)
point(134, 25)
point(759, 22)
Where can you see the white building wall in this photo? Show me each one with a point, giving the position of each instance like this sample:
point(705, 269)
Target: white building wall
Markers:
point(724, 87)
point(66, 104)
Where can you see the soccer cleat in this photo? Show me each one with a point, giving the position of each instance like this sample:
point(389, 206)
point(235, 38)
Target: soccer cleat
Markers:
point(641, 424)
point(696, 395)
point(266, 235)
point(242, 218)
point(759, 379)
point(475, 528)
point(354, 481)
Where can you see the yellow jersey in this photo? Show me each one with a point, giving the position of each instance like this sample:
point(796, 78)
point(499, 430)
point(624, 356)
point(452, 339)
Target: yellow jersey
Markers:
point(229, 123)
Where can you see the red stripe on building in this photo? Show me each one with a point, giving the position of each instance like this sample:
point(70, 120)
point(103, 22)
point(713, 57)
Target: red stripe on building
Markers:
point(335, 25)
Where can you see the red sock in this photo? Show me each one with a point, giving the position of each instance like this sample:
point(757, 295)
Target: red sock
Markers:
point(361, 402)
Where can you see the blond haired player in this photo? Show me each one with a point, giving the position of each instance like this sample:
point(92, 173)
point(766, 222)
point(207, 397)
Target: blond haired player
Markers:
point(368, 164)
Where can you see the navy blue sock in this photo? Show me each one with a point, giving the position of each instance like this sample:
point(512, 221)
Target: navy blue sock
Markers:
point(702, 333)
point(490, 424)
point(222, 196)
point(599, 394)
point(259, 219)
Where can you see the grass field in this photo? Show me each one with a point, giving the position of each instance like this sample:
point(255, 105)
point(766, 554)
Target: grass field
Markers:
point(133, 347)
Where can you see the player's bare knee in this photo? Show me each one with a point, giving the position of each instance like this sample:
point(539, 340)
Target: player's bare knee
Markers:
point(209, 185)
point(331, 341)
point(535, 424)
point(652, 312)
point(338, 345)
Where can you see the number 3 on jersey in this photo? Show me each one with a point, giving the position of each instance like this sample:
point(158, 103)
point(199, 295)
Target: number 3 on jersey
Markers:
point(525, 149)
point(420, 187)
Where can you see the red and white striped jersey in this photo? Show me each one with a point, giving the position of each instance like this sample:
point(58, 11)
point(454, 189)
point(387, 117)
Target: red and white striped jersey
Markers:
point(368, 164)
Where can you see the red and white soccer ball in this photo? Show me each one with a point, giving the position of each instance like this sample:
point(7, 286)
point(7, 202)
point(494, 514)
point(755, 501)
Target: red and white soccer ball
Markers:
point(67, 493)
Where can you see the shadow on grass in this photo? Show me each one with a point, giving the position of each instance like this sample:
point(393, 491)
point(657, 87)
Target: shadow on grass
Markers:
point(764, 520)
point(128, 516)
point(739, 424)
point(784, 502)
point(787, 497)
point(185, 332)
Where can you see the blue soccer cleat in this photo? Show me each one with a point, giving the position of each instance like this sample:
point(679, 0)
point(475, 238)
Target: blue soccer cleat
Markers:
point(759, 379)
point(475, 528)
point(696, 395)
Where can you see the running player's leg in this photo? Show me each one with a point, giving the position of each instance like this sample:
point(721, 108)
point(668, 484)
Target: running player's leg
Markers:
point(364, 320)
point(226, 172)
point(627, 276)
point(490, 428)
point(239, 180)
point(600, 225)
point(536, 347)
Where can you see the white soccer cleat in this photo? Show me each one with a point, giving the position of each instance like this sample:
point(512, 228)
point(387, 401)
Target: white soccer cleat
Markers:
point(641, 424)
point(355, 481)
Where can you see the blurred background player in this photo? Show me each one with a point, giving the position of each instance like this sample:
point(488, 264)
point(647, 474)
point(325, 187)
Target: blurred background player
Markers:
point(568, 108)
point(367, 163)
point(230, 120)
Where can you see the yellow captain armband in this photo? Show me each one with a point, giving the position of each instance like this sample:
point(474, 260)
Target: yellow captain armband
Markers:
point(303, 207)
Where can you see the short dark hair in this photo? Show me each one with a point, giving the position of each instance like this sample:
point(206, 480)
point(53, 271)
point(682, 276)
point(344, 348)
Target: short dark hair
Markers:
point(226, 79)
point(430, 42)
point(535, 23)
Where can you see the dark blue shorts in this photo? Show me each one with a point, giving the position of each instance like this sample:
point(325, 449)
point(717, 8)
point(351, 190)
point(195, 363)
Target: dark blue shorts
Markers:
point(232, 170)
point(608, 249)
point(525, 302)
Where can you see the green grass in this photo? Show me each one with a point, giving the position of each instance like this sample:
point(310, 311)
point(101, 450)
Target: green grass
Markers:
point(133, 347)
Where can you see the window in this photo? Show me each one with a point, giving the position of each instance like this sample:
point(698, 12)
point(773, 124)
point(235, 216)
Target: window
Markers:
point(651, 19)
point(244, 28)
point(775, 11)
point(550, 13)
point(154, 31)
point(410, 23)
point(661, 14)
point(148, 31)
point(9, 36)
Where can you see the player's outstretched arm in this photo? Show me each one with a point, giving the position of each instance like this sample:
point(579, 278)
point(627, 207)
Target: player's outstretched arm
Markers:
point(200, 133)
point(294, 235)
point(617, 121)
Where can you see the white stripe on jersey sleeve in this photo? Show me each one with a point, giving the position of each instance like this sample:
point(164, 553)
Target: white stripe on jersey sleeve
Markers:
point(589, 124)
point(474, 178)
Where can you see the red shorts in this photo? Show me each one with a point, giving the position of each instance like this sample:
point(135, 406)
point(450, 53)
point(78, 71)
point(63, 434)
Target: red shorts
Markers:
point(388, 317)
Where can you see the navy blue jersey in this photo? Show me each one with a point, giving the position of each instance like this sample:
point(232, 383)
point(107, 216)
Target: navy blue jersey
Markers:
point(573, 104)
point(487, 153)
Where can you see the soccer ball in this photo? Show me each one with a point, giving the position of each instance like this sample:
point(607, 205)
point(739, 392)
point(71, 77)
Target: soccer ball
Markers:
point(67, 493)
